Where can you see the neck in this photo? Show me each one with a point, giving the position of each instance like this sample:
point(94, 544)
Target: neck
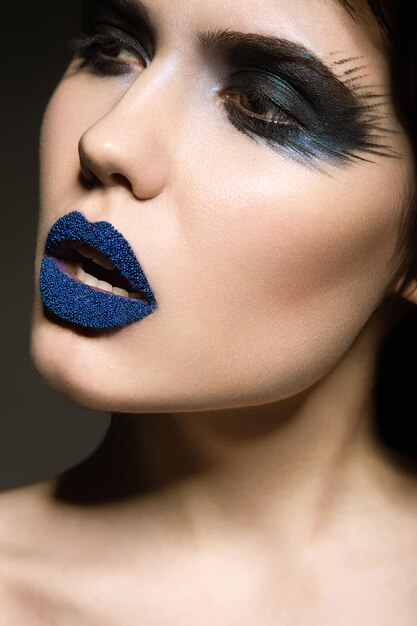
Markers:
point(290, 462)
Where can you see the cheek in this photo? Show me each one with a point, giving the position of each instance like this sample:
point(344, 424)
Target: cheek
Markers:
point(296, 263)
point(64, 122)
point(294, 235)
point(58, 151)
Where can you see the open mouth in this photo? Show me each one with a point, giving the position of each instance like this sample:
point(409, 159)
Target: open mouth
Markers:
point(90, 275)
point(90, 267)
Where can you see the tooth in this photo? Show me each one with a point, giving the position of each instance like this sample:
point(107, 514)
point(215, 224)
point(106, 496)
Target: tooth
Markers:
point(87, 252)
point(80, 274)
point(105, 286)
point(120, 292)
point(92, 281)
point(100, 259)
point(136, 296)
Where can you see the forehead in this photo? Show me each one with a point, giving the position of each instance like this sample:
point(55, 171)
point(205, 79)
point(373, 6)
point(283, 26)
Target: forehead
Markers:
point(146, 7)
point(327, 26)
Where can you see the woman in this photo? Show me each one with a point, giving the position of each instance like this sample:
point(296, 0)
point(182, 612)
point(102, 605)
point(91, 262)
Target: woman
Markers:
point(225, 240)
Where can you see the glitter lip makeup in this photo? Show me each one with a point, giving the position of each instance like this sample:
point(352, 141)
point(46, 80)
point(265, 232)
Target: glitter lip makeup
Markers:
point(91, 277)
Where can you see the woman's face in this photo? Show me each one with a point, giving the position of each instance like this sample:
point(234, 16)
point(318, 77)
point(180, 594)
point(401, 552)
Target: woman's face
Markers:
point(259, 184)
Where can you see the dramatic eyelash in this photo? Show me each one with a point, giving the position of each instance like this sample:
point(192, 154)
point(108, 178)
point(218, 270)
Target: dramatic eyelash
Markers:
point(370, 101)
point(84, 45)
point(364, 114)
point(373, 135)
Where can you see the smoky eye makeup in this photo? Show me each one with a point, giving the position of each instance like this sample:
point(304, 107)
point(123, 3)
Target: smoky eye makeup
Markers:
point(293, 102)
point(109, 51)
point(125, 22)
point(116, 38)
point(274, 91)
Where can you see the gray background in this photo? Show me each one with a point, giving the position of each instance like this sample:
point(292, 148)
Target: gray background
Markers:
point(41, 432)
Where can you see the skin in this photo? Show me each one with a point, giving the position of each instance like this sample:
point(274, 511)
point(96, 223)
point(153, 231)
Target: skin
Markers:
point(253, 483)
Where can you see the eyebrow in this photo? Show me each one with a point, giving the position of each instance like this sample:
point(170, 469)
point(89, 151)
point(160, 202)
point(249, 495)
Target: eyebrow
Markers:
point(271, 51)
point(225, 41)
point(133, 10)
point(347, 5)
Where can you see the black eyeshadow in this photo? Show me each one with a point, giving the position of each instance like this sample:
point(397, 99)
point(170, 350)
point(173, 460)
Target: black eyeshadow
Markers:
point(324, 112)
point(338, 119)
point(128, 15)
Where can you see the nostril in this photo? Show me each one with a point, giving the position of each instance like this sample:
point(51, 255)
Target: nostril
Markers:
point(86, 176)
point(119, 179)
point(87, 183)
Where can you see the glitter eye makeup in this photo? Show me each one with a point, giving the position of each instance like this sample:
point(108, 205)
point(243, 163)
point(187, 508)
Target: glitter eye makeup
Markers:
point(277, 91)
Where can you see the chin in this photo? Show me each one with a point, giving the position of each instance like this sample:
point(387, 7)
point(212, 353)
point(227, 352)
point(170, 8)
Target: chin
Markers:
point(62, 375)
point(55, 354)
point(106, 374)
point(66, 363)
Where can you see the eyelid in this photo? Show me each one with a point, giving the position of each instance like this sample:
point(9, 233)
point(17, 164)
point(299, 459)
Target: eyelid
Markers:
point(101, 12)
point(122, 37)
point(84, 43)
point(275, 89)
point(278, 119)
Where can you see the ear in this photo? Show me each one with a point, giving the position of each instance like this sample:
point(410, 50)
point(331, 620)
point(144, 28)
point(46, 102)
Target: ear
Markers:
point(409, 293)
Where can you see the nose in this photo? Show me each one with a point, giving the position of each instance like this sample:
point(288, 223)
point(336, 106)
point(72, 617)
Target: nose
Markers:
point(128, 144)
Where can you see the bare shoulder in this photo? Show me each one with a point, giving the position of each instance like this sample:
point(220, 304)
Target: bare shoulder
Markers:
point(50, 563)
point(25, 523)
point(23, 512)
point(10, 613)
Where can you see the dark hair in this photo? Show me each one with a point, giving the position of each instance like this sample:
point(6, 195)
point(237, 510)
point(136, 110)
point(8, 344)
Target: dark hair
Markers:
point(397, 20)
point(395, 380)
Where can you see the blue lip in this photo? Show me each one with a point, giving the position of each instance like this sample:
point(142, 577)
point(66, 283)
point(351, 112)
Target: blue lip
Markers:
point(80, 304)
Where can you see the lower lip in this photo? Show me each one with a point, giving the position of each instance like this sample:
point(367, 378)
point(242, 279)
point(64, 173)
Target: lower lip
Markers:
point(73, 301)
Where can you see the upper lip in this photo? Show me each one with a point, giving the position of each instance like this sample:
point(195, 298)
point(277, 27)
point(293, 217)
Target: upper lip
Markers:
point(106, 239)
